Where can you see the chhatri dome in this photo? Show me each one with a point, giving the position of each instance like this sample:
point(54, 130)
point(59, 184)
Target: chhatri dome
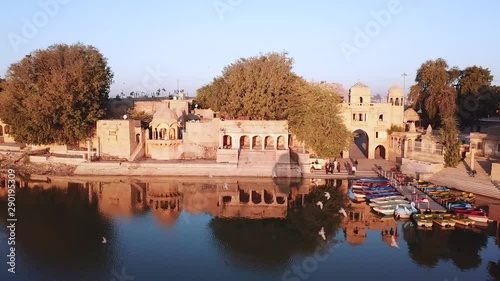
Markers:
point(410, 115)
point(164, 115)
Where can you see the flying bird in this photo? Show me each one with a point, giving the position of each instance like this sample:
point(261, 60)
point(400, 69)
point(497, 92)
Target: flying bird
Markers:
point(327, 195)
point(104, 240)
point(342, 211)
point(320, 204)
point(394, 243)
point(322, 233)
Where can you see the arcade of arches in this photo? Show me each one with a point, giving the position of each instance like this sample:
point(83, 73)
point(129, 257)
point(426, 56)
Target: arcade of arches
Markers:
point(256, 142)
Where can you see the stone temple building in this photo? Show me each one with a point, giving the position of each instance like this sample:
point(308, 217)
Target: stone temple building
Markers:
point(176, 132)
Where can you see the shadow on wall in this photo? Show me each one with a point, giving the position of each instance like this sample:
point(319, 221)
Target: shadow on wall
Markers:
point(287, 172)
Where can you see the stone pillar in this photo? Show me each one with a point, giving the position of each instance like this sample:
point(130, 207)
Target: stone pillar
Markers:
point(345, 154)
point(405, 148)
point(472, 152)
point(89, 150)
point(275, 140)
point(263, 142)
point(238, 142)
point(285, 139)
point(221, 139)
point(251, 142)
point(98, 147)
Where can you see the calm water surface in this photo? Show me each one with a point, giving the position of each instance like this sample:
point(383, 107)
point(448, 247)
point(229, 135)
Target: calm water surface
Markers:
point(226, 229)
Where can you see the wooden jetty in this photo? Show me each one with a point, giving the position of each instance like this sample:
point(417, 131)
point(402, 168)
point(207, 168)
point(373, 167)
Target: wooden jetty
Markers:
point(411, 192)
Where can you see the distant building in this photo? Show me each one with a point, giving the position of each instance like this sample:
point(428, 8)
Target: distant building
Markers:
point(487, 140)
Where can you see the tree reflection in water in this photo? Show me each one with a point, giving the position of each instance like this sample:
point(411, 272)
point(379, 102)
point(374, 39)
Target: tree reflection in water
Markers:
point(461, 246)
point(58, 227)
point(271, 243)
point(494, 270)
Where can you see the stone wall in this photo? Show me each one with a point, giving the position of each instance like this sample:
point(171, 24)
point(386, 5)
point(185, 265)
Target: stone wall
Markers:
point(420, 169)
point(203, 133)
point(117, 138)
point(495, 171)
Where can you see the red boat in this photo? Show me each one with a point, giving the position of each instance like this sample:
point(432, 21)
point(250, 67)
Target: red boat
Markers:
point(476, 214)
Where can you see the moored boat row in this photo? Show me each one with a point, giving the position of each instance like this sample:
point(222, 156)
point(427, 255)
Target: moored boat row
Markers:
point(387, 201)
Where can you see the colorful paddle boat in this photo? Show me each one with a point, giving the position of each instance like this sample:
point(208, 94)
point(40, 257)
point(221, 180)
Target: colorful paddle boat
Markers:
point(443, 220)
point(423, 220)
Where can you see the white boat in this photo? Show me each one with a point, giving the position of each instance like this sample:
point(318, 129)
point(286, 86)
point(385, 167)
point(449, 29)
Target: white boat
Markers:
point(386, 211)
point(389, 201)
point(391, 204)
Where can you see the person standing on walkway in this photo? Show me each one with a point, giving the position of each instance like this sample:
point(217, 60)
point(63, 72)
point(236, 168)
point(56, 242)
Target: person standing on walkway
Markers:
point(335, 164)
point(353, 170)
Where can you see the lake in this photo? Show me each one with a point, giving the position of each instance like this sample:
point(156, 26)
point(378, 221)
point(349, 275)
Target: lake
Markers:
point(225, 229)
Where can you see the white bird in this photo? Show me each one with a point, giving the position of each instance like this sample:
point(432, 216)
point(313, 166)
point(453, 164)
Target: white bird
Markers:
point(322, 233)
point(210, 176)
point(327, 195)
point(342, 211)
point(394, 243)
point(104, 240)
point(320, 204)
point(225, 186)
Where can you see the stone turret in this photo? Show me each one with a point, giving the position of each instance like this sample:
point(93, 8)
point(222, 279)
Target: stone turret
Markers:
point(359, 94)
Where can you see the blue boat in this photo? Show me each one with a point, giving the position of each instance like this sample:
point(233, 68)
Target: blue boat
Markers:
point(377, 188)
point(460, 205)
point(380, 195)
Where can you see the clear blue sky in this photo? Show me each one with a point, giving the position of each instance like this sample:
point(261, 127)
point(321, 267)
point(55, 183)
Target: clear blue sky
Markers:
point(192, 41)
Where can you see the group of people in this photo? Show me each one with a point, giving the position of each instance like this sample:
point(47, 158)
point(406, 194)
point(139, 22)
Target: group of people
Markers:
point(335, 166)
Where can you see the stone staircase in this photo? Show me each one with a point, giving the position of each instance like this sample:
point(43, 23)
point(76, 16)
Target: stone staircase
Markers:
point(458, 178)
point(256, 158)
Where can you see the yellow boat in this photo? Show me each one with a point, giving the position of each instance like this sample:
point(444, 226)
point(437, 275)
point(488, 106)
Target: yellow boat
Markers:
point(462, 220)
point(443, 220)
point(422, 220)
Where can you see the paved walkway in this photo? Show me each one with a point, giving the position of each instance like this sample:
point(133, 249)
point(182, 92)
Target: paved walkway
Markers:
point(458, 178)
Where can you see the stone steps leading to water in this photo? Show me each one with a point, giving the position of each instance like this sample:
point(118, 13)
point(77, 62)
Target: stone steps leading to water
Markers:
point(458, 178)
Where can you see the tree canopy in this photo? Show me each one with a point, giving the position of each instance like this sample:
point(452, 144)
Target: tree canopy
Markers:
point(56, 95)
point(449, 97)
point(264, 87)
point(440, 91)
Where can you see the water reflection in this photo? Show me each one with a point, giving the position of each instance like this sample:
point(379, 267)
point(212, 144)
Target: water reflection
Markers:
point(260, 224)
point(57, 227)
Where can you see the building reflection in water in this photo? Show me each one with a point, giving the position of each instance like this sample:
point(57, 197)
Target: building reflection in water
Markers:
point(258, 201)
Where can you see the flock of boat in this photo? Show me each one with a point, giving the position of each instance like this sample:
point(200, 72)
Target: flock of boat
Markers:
point(386, 200)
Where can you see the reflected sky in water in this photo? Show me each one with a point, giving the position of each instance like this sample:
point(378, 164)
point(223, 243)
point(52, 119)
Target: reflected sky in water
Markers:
point(227, 229)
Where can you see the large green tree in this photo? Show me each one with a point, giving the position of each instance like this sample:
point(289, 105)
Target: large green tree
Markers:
point(433, 93)
point(477, 98)
point(450, 140)
point(436, 95)
point(56, 95)
point(264, 87)
point(315, 119)
point(258, 87)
